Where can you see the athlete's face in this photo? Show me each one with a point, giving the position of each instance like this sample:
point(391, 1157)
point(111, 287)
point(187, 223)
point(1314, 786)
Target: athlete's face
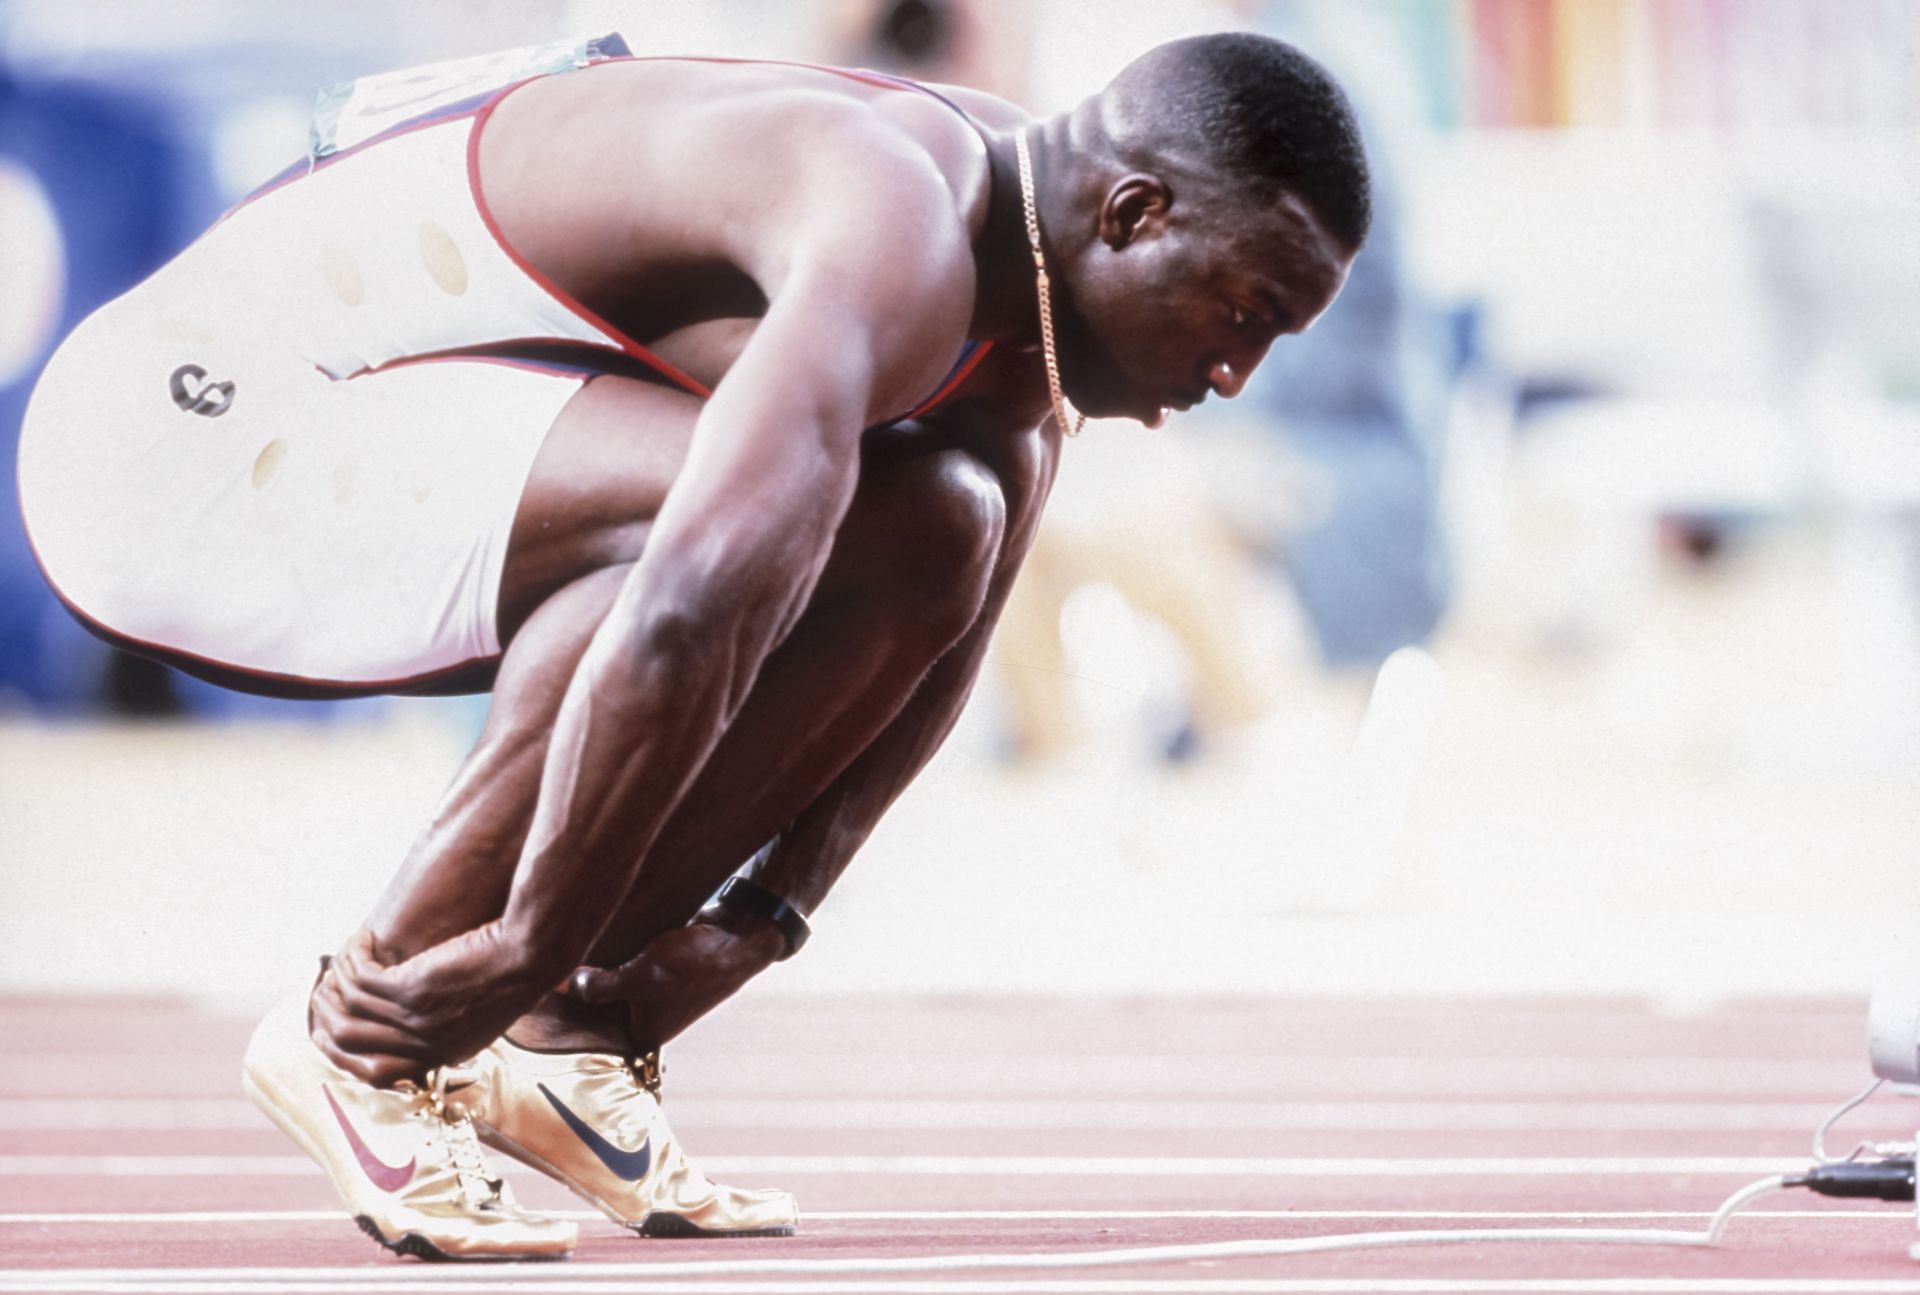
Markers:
point(1183, 294)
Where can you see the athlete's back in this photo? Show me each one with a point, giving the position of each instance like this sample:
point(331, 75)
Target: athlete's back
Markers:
point(669, 192)
point(613, 207)
point(353, 371)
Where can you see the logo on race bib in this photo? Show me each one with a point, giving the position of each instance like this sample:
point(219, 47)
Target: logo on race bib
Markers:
point(193, 393)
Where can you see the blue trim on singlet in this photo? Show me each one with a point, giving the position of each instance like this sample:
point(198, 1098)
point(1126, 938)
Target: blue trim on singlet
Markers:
point(972, 344)
point(923, 88)
point(558, 359)
point(308, 165)
point(967, 349)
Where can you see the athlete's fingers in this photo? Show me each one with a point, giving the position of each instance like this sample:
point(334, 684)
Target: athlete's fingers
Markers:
point(355, 1034)
point(361, 944)
point(588, 984)
point(360, 953)
point(342, 1034)
point(360, 1040)
point(350, 965)
point(380, 1071)
point(375, 991)
point(358, 1066)
point(358, 965)
point(356, 1001)
point(585, 984)
point(341, 989)
point(697, 954)
point(430, 988)
point(629, 980)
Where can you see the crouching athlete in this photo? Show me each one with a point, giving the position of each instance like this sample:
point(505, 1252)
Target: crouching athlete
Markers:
point(703, 410)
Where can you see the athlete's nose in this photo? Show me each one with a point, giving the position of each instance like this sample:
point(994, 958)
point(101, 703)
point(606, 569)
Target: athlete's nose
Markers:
point(1226, 380)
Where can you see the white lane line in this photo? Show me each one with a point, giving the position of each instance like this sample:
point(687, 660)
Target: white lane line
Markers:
point(893, 1266)
point(1237, 1115)
point(155, 1166)
point(379, 1280)
point(110, 1113)
point(1186, 1076)
point(1251, 1166)
point(1148, 1167)
point(1252, 1074)
point(890, 1274)
point(195, 1217)
point(969, 1114)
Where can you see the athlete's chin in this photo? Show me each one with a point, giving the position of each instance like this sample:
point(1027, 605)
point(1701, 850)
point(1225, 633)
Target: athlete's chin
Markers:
point(1120, 404)
point(1144, 410)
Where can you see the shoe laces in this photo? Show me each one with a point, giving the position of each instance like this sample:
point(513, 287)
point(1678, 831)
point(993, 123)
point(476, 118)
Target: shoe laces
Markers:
point(647, 1071)
point(452, 1124)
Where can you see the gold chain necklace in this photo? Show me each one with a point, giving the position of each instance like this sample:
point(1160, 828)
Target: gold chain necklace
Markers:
point(1070, 420)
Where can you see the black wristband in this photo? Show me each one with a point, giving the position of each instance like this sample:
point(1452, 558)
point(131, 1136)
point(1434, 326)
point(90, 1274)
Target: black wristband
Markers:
point(744, 896)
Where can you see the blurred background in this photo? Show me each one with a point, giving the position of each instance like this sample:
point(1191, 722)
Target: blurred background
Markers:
point(1547, 621)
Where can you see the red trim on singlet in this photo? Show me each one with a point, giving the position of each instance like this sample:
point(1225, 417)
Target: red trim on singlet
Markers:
point(619, 341)
point(881, 80)
point(275, 683)
point(477, 115)
point(959, 374)
point(579, 372)
point(225, 673)
point(965, 366)
point(622, 342)
point(484, 353)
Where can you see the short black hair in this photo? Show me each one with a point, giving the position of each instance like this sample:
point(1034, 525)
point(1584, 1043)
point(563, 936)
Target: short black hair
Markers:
point(1266, 114)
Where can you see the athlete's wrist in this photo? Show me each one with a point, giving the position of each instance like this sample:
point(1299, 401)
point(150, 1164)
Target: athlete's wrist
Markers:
point(523, 963)
point(742, 904)
point(759, 940)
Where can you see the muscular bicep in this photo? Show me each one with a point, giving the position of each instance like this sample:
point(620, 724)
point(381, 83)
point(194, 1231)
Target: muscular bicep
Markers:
point(869, 276)
point(862, 321)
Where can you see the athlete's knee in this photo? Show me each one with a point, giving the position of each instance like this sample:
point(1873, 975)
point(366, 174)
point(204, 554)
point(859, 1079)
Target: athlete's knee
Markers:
point(956, 522)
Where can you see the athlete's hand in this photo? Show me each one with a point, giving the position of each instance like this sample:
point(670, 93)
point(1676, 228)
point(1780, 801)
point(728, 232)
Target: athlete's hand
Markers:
point(383, 1022)
point(682, 975)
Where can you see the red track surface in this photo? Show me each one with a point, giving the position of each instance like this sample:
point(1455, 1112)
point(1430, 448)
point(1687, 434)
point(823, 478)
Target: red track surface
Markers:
point(1019, 1128)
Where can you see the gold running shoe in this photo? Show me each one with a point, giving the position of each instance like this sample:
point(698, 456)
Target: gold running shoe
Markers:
point(592, 1121)
point(404, 1159)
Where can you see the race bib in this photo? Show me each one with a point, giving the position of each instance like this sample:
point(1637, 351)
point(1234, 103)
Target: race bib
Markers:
point(353, 111)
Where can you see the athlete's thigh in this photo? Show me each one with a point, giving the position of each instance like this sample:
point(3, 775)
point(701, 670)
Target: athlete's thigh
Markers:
point(613, 452)
point(596, 485)
point(221, 504)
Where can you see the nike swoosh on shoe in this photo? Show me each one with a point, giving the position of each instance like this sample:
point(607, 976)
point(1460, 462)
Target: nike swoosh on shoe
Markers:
point(630, 1165)
point(388, 1178)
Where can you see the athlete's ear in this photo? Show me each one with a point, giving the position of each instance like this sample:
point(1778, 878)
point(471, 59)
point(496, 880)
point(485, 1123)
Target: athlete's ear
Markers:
point(1135, 208)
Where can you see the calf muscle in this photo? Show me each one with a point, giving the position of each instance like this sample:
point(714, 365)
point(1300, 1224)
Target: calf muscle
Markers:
point(905, 579)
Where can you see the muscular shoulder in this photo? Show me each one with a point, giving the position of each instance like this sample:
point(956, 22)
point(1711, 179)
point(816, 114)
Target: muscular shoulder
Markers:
point(855, 202)
point(988, 110)
point(695, 150)
point(872, 222)
point(888, 176)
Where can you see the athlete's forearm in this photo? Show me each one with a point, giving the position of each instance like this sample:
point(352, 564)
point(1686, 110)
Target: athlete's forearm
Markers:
point(733, 558)
point(810, 856)
point(643, 711)
point(657, 688)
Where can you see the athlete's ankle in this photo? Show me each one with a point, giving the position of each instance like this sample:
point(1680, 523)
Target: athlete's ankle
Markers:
point(558, 1023)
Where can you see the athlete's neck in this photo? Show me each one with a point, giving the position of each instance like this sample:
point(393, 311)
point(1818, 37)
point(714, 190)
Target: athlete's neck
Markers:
point(1005, 307)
